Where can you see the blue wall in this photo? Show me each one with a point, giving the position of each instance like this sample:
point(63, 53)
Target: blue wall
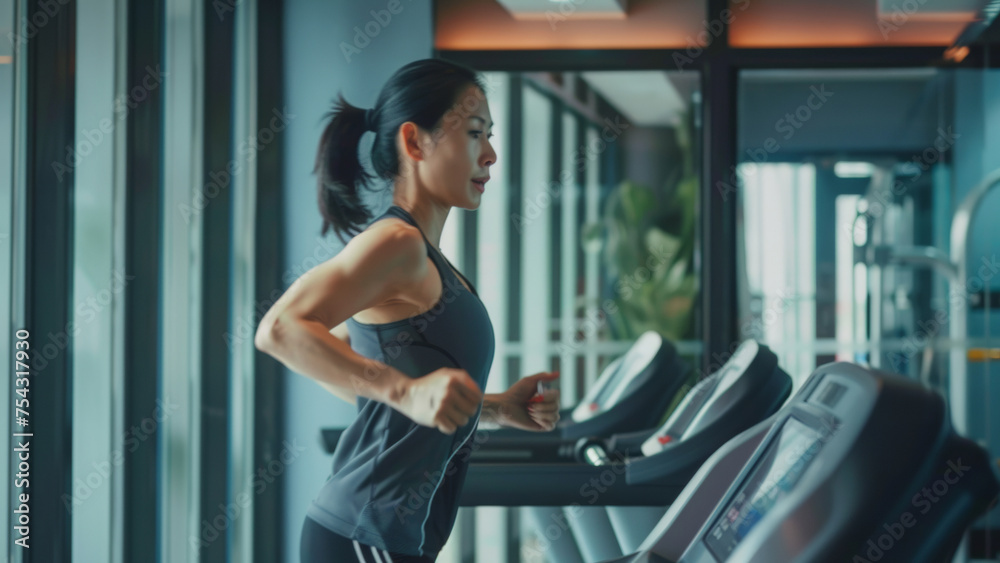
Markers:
point(316, 33)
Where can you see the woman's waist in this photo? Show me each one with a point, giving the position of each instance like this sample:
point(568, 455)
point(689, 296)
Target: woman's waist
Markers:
point(405, 452)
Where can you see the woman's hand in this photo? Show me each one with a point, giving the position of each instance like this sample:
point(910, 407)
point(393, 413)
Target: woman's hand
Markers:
point(444, 399)
point(521, 407)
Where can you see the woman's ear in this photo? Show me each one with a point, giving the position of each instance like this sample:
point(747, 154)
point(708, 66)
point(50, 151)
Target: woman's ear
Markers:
point(411, 145)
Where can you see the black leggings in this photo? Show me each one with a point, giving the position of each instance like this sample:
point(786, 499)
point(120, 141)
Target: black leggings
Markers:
point(321, 545)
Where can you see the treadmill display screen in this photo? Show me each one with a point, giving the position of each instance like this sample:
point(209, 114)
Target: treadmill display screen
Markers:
point(776, 473)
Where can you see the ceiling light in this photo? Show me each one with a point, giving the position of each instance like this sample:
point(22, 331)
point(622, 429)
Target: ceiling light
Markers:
point(565, 9)
point(846, 169)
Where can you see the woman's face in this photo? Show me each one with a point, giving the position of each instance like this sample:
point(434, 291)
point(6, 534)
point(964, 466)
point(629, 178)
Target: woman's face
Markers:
point(456, 157)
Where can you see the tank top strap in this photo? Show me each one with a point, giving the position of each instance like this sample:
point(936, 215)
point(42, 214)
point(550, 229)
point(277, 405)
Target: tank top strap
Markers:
point(440, 260)
point(397, 211)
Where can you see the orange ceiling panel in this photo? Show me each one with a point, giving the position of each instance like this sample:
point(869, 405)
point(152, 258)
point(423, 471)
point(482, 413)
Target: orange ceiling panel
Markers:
point(842, 23)
point(651, 24)
point(673, 24)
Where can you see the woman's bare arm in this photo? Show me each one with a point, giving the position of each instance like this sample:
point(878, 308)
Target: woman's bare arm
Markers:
point(340, 331)
point(372, 268)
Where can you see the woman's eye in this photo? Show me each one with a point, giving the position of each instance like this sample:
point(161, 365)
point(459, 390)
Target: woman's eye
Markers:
point(478, 133)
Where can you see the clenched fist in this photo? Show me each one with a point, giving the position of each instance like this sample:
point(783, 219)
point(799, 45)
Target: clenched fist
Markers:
point(523, 408)
point(445, 399)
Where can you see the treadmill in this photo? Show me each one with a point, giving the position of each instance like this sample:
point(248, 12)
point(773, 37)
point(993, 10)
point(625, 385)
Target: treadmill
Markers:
point(861, 466)
point(644, 380)
point(632, 393)
point(656, 463)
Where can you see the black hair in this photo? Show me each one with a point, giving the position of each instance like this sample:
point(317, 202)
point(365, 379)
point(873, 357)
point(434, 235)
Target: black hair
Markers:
point(422, 92)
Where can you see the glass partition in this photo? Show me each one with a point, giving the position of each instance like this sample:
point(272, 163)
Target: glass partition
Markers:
point(867, 228)
point(584, 241)
point(843, 174)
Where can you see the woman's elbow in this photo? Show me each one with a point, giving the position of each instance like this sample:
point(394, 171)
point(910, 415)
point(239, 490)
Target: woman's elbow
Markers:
point(268, 334)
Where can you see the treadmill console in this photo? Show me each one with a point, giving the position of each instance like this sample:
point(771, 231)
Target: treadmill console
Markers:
point(697, 404)
point(777, 471)
point(840, 473)
point(816, 489)
point(619, 378)
point(823, 420)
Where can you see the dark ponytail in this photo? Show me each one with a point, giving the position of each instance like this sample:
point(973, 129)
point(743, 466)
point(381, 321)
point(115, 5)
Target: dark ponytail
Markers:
point(421, 92)
point(340, 171)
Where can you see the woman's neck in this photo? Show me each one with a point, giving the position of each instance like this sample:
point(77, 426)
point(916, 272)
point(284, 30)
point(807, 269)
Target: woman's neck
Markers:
point(429, 217)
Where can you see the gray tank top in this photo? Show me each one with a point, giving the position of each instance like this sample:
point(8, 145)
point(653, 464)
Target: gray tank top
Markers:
point(395, 484)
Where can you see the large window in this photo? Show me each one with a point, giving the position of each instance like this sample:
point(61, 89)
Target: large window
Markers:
point(586, 239)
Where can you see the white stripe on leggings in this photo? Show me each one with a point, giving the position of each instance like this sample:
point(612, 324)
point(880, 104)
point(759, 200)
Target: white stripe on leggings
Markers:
point(378, 558)
point(357, 551)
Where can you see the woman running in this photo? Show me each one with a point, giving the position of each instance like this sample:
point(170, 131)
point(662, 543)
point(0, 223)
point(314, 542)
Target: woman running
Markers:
point(389, 325)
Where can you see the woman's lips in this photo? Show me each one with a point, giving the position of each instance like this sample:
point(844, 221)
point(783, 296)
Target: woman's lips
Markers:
point(480, 185)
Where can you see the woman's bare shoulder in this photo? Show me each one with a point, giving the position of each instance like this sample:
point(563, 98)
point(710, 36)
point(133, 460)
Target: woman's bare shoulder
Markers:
point(391, 243)
point(375, 267)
